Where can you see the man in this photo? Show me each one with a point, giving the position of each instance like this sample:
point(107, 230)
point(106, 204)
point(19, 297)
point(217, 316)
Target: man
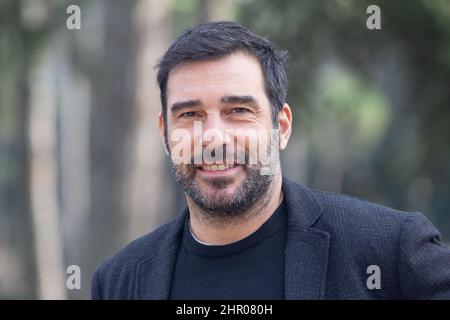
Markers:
point(248, 232)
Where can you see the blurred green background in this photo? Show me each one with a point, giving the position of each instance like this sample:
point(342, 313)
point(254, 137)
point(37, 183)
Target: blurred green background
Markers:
point(82, 168)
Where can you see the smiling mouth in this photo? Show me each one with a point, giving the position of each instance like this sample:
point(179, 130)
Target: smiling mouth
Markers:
point(216, 167)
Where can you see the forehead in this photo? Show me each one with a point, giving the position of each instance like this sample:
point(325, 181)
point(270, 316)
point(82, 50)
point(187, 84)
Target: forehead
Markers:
point(238, 74)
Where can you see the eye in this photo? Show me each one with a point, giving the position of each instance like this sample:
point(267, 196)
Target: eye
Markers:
point(239, 110)
point(188, 114)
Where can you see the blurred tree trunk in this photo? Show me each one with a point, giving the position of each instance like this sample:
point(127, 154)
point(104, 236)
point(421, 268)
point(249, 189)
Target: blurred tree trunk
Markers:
point(41, 129)
point(148, 195)
point(125, 152)
point(73, 155)
point(18, 277)
point(110, 126)
point(44, 177)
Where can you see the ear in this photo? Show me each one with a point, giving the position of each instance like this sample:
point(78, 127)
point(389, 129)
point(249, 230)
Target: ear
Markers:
point(161, 127)
point(285, 125)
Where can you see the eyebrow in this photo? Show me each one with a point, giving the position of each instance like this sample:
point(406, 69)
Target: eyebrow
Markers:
point(247, 100)
point(233, 99)
point(177, 106)
point(251, 101)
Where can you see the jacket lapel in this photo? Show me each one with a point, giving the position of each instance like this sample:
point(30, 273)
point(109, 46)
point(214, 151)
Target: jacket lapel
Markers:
point(307, 247)
point(154, 274)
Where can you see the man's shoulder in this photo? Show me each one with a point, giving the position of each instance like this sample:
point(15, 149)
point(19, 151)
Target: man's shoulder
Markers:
point(352, 216)
point(337, 205)
point(143, 247)
point(405, 246)
point(124, 264)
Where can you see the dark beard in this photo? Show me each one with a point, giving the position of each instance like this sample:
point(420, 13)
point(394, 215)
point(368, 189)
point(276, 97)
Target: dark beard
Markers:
point(218, 205)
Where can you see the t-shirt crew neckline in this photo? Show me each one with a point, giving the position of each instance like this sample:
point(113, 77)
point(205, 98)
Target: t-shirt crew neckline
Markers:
point(268, 228)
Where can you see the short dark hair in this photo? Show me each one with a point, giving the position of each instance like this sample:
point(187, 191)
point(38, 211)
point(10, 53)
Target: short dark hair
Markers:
point(215, 40)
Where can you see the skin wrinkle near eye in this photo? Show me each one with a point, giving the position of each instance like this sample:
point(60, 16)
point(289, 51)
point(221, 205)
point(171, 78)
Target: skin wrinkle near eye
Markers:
point(248, 104)
point(177, 106)
point(246, 100)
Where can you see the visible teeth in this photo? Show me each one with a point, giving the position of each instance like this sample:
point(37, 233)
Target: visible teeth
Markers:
point(218, 167)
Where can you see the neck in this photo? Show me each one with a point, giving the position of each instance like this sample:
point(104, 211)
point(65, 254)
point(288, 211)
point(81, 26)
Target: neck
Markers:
point(231, 230)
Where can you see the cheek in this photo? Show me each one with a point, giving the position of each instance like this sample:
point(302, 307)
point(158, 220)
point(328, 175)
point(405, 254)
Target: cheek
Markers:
point(181, 144)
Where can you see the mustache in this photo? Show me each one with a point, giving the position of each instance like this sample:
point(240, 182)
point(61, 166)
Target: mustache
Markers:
point(224, 156)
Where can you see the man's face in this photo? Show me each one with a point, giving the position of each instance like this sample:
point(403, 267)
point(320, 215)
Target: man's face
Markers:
point(220, 96)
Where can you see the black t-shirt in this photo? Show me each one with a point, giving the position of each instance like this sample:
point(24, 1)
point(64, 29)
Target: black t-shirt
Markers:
point(251, 268)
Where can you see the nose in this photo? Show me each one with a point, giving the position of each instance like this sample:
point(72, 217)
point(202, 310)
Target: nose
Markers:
point(215, 124)
point(214, 118)
point(216, 138)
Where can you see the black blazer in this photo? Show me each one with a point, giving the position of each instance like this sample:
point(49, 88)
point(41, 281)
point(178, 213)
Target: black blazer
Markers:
point(332, 240)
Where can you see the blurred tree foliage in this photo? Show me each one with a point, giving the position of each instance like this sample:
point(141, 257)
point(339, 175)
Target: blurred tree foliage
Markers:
point(21, 34)
point(373, 105)
point(92, 90)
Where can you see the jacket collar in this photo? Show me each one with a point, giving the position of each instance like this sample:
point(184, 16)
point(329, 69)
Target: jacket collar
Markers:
point(306, 251)
point(154, 275)
point(306, 247)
